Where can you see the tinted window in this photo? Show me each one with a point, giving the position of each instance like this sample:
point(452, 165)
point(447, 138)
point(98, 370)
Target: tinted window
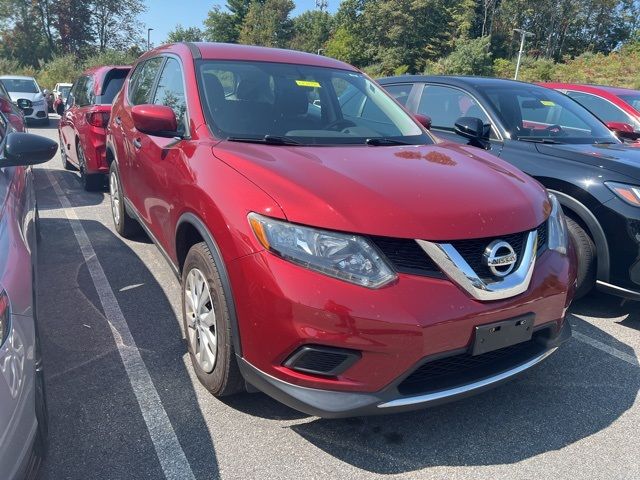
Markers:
point(632, 99)
point(400, 92)
point(113, 82)
point(601, 108)
point(142, 81)
point(530, 112)
point(311, 105)
point(446, 104)
point(170, 91)
point(84, 92)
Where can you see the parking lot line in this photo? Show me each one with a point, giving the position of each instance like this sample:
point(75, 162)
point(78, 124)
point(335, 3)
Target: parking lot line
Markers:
point(605, 348)
point(172, 458)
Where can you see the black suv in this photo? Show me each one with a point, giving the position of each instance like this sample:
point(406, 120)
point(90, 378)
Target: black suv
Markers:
point(561, 144)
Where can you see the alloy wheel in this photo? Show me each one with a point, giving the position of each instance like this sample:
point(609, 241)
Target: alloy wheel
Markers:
point(201, 320)
point(115, 197)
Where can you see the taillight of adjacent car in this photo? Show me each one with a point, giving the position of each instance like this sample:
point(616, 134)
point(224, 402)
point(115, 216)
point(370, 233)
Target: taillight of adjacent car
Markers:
point(98, 119)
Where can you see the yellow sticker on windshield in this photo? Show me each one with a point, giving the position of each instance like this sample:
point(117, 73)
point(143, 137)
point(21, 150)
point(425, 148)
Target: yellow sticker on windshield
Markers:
point(307, 83)
point(547, 103)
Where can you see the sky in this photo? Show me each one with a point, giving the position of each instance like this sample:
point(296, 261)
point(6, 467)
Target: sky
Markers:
point(163, 16)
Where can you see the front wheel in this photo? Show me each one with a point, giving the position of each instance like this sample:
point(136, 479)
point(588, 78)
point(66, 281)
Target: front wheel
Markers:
point(207, 324)
point(586, 254)
point(90, 181)
point(63, 155)
point(123, 223)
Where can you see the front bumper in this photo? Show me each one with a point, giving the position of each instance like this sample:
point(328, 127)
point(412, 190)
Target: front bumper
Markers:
point(36, 112)
point(336, 404)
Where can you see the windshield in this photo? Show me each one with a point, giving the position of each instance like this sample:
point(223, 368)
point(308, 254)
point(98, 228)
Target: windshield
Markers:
point(64, 91)
point(632, 99)
point(536, 113)
point(21, 85)
point(301, 104)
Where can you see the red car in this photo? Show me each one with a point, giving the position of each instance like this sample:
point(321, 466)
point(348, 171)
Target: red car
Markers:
point(618, 108)
point(331, 252)
point(11, 111)
point(83, 124)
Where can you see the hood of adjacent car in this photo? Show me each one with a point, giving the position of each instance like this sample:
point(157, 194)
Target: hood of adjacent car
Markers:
point(620, 158)
point(34, 97)
point(435, 192)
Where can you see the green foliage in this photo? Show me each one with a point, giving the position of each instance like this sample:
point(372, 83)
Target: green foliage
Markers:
point(470, 57)
point(181, 34)
point(268, 24)
point(112, 57)
point(311, 31)
point(221, 26)
point(63, 68)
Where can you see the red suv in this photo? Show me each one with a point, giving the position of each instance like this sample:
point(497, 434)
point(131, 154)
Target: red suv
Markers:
point(83, 125)
point(331, 252)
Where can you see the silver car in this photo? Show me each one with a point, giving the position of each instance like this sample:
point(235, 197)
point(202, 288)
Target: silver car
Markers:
point(27, 94)
point(23, 414)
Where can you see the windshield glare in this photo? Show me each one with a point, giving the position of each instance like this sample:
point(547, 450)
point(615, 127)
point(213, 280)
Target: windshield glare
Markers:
point(536, 113)
point(20, 85)
point(311, 105)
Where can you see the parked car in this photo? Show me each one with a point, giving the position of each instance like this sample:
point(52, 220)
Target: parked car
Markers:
point(27, 94)
point(595, 177)
point(11, 111)
point(23, 412)
point(618, 108)
point(83, 124)
point(339, 260)
point(60, 93)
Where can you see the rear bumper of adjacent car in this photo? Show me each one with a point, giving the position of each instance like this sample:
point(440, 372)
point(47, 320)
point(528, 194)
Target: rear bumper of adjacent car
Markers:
point(336, 404)
point(385, 334)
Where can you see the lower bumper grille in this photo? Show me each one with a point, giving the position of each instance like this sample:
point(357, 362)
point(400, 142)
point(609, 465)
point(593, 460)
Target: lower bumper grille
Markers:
point(465, 368)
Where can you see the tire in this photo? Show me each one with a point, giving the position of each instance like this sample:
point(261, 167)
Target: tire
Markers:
point(586, 254)
point(63, 156)
point(125, 225)
point(90, 182)
point(217, 370)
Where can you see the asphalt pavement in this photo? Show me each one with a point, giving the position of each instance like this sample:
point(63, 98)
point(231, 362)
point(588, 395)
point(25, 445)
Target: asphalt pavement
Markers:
point(125, 404)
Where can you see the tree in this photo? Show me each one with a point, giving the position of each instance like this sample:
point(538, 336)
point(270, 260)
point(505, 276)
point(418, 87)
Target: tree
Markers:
point(311, 31)
point(181, 34)
point(221, 26)
point(115, 23)
point(72, 20)
point(268, 23)
point(22, 38)
point(470, 57)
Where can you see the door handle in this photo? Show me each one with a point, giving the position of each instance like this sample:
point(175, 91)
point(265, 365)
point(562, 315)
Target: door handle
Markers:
point(137, 143)
point(118, 120)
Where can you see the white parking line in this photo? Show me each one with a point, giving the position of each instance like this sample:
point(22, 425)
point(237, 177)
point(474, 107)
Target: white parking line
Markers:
point(172, 459)
point(606, 348)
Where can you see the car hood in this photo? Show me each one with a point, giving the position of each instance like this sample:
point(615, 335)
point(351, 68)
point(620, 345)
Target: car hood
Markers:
point(620, 158)
point(434, 192)
point(29, 96)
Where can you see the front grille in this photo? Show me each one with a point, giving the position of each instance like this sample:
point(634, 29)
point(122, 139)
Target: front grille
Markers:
point(406, 256)
point(461, 369)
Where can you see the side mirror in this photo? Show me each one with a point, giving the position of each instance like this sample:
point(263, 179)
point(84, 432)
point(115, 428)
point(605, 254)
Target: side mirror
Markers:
point(157, 120)
point(474, 129)
point(623, 130)
point(24, 103)
point(423, 120)
point(22, 149)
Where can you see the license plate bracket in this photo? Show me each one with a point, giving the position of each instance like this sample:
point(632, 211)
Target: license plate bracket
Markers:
point(502, 334)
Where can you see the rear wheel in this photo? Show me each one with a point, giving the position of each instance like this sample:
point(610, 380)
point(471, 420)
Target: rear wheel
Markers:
point(207, 324)
point(586, 253)
point(90, 181)
point(63, 155)
point(124, 224)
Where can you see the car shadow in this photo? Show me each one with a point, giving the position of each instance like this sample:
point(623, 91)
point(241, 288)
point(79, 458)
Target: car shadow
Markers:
point(609, 307)
point(52, 125)
point(96, 426)
point(576, 393)
point(69, 182)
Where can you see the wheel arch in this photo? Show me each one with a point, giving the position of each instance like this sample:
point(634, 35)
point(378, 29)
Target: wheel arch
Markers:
point(191, 230)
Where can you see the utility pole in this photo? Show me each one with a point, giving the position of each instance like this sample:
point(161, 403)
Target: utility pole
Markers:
point(523, 34)
point(149, 38)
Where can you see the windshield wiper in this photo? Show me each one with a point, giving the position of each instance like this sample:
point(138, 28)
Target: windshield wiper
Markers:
point(268, 139)
point(540, 140)
point(380, 141)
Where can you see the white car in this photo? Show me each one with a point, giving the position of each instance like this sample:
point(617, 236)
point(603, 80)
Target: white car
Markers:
point(60, 94)
point(27, 94)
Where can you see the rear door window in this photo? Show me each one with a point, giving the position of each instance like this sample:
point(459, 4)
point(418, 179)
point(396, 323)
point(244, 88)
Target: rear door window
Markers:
point(170, 91)
point(444, 105)
point(142, 80)
point(400, 92)
point(603, 109)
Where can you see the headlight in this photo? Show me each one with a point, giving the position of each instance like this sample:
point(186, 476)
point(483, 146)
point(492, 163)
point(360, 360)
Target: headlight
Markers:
point(348, 257)
point(628, 193)
point(5, 315)
point(557, 237)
